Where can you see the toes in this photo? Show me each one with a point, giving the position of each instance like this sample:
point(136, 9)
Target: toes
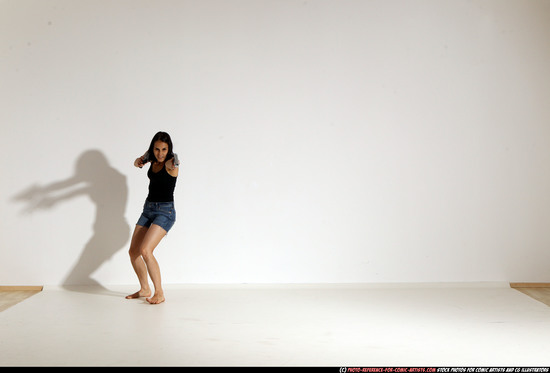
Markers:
point(154, 300)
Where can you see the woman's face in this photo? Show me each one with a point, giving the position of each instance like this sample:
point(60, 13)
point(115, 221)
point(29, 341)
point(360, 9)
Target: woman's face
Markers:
point(161, 150)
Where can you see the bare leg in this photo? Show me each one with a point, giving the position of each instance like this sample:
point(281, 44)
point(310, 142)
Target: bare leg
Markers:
point(138, 263)
point(150, 241)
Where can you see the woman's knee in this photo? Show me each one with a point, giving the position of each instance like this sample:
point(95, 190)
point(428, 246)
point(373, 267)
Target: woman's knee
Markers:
point(134, 252)
point(146, 254)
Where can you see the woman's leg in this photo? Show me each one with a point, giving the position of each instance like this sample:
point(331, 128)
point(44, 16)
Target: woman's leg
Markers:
point(138, 263)
point(150, 241)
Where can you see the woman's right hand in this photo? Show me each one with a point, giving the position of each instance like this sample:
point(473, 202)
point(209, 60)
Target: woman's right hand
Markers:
point(139, 162)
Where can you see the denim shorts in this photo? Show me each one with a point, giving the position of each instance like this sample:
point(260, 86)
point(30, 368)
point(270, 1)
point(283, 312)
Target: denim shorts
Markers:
point(162, 214)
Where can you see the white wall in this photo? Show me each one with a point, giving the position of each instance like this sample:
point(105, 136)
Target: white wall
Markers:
point(323, 141)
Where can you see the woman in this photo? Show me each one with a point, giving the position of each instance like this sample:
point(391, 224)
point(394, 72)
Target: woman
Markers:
point(158, 215)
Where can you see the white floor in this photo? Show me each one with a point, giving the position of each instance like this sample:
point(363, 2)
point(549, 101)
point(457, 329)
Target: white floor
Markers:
point(278, 325)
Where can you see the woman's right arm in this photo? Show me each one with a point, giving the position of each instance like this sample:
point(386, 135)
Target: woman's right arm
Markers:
point(141, 161)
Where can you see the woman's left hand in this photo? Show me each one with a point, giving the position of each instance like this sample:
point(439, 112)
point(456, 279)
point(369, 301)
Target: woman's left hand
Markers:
point(172, 168)
point(170, 164)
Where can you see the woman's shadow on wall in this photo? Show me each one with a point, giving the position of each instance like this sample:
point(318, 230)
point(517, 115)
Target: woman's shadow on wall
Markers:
point(108, 190)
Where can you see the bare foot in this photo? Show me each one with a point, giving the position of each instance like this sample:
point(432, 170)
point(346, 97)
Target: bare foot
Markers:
point(157, 298)
point(137, 294)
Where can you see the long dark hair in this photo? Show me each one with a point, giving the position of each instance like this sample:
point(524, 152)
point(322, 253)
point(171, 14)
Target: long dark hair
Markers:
point(164, 137)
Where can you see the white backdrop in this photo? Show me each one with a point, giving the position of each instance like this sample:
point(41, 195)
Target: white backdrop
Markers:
point(323, 140)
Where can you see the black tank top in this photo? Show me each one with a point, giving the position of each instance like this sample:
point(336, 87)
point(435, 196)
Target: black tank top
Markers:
point(161, 185)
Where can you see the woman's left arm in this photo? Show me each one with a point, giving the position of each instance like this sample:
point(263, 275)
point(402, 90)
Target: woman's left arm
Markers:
point(172, 166)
